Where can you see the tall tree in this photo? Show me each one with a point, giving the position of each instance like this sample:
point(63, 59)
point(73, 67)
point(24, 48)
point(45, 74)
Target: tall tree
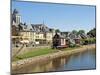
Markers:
point(57, 30)
point(81, 32)
point(74, 32)
point(92, 33)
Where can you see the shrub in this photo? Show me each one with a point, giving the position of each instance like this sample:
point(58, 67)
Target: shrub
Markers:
point(88, 41)
point(72, 45)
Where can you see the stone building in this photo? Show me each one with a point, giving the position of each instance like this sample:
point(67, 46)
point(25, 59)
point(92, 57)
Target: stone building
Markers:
point(30, 32)
point(15, 21)
point(43, 34)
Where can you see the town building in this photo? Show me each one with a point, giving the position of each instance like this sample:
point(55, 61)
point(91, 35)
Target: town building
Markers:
point(33, 33)
point(59, 41)
point(15, 21)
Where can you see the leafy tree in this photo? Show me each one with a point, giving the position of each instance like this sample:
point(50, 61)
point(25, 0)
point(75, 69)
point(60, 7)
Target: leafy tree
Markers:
point(57, 30)
point(81, 32)
point(74, 32)
point(92, 33)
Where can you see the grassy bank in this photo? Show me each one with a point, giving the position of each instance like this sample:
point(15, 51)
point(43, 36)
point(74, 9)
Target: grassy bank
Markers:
point(39, 52)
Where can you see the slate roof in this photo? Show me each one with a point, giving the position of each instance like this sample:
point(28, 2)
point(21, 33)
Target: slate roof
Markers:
point(58, 35)
point(40, 28)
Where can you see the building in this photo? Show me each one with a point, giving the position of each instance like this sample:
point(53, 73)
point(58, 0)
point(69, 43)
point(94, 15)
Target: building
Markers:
point(15, 21)
point(73, 38)
point(30, 32)
point(27, 33)
point(59, 41)
point(44, 34)
point(16, 18)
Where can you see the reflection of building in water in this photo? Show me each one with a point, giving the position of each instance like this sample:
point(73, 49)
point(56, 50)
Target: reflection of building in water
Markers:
point(44, 67)
point(48, 66)
point(67, 58)
point(63, 61)
point(37, 69)
point(56, 63)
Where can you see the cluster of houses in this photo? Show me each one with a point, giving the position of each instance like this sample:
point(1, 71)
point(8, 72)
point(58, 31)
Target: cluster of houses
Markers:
point(65, 39)
point(33, 33)
point(40, 34)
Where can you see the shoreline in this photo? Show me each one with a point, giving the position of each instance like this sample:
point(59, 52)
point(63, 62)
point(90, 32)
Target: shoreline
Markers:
point(42, 58)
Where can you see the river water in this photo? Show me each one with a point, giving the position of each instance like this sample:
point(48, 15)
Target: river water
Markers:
point(79, 61)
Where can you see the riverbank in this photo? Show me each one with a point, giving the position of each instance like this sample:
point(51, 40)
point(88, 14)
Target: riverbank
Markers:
point(43, 58)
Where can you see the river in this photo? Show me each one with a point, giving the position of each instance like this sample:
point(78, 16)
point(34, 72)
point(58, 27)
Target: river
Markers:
point(79, 61)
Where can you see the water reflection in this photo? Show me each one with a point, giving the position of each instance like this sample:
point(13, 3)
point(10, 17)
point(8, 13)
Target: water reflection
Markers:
point(82, 60)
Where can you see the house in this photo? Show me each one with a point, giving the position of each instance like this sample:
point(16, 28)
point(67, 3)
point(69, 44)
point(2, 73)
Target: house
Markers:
point(43, 33)
point(59, 41)
point(74, 38)
point(30, 32)
point(16, 19)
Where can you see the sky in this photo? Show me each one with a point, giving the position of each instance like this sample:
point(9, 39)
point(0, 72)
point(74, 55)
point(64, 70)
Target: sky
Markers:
point(65, 17)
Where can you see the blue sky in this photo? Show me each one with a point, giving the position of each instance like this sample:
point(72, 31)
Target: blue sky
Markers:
point(58, 16)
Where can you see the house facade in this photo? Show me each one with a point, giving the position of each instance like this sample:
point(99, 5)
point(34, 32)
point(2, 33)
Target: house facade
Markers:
point(30, 32)
point(59, 41)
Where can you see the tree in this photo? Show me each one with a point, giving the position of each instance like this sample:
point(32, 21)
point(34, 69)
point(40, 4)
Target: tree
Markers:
point(57, 30)
point(92, 33)
point(81, 32)
point(74, 32)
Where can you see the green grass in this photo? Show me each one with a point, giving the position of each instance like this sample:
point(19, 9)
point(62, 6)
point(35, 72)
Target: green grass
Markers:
point(34, 53)
point(38, 52)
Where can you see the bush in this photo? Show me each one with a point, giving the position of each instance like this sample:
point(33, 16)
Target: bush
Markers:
point(88, 41)
point(72, 45)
